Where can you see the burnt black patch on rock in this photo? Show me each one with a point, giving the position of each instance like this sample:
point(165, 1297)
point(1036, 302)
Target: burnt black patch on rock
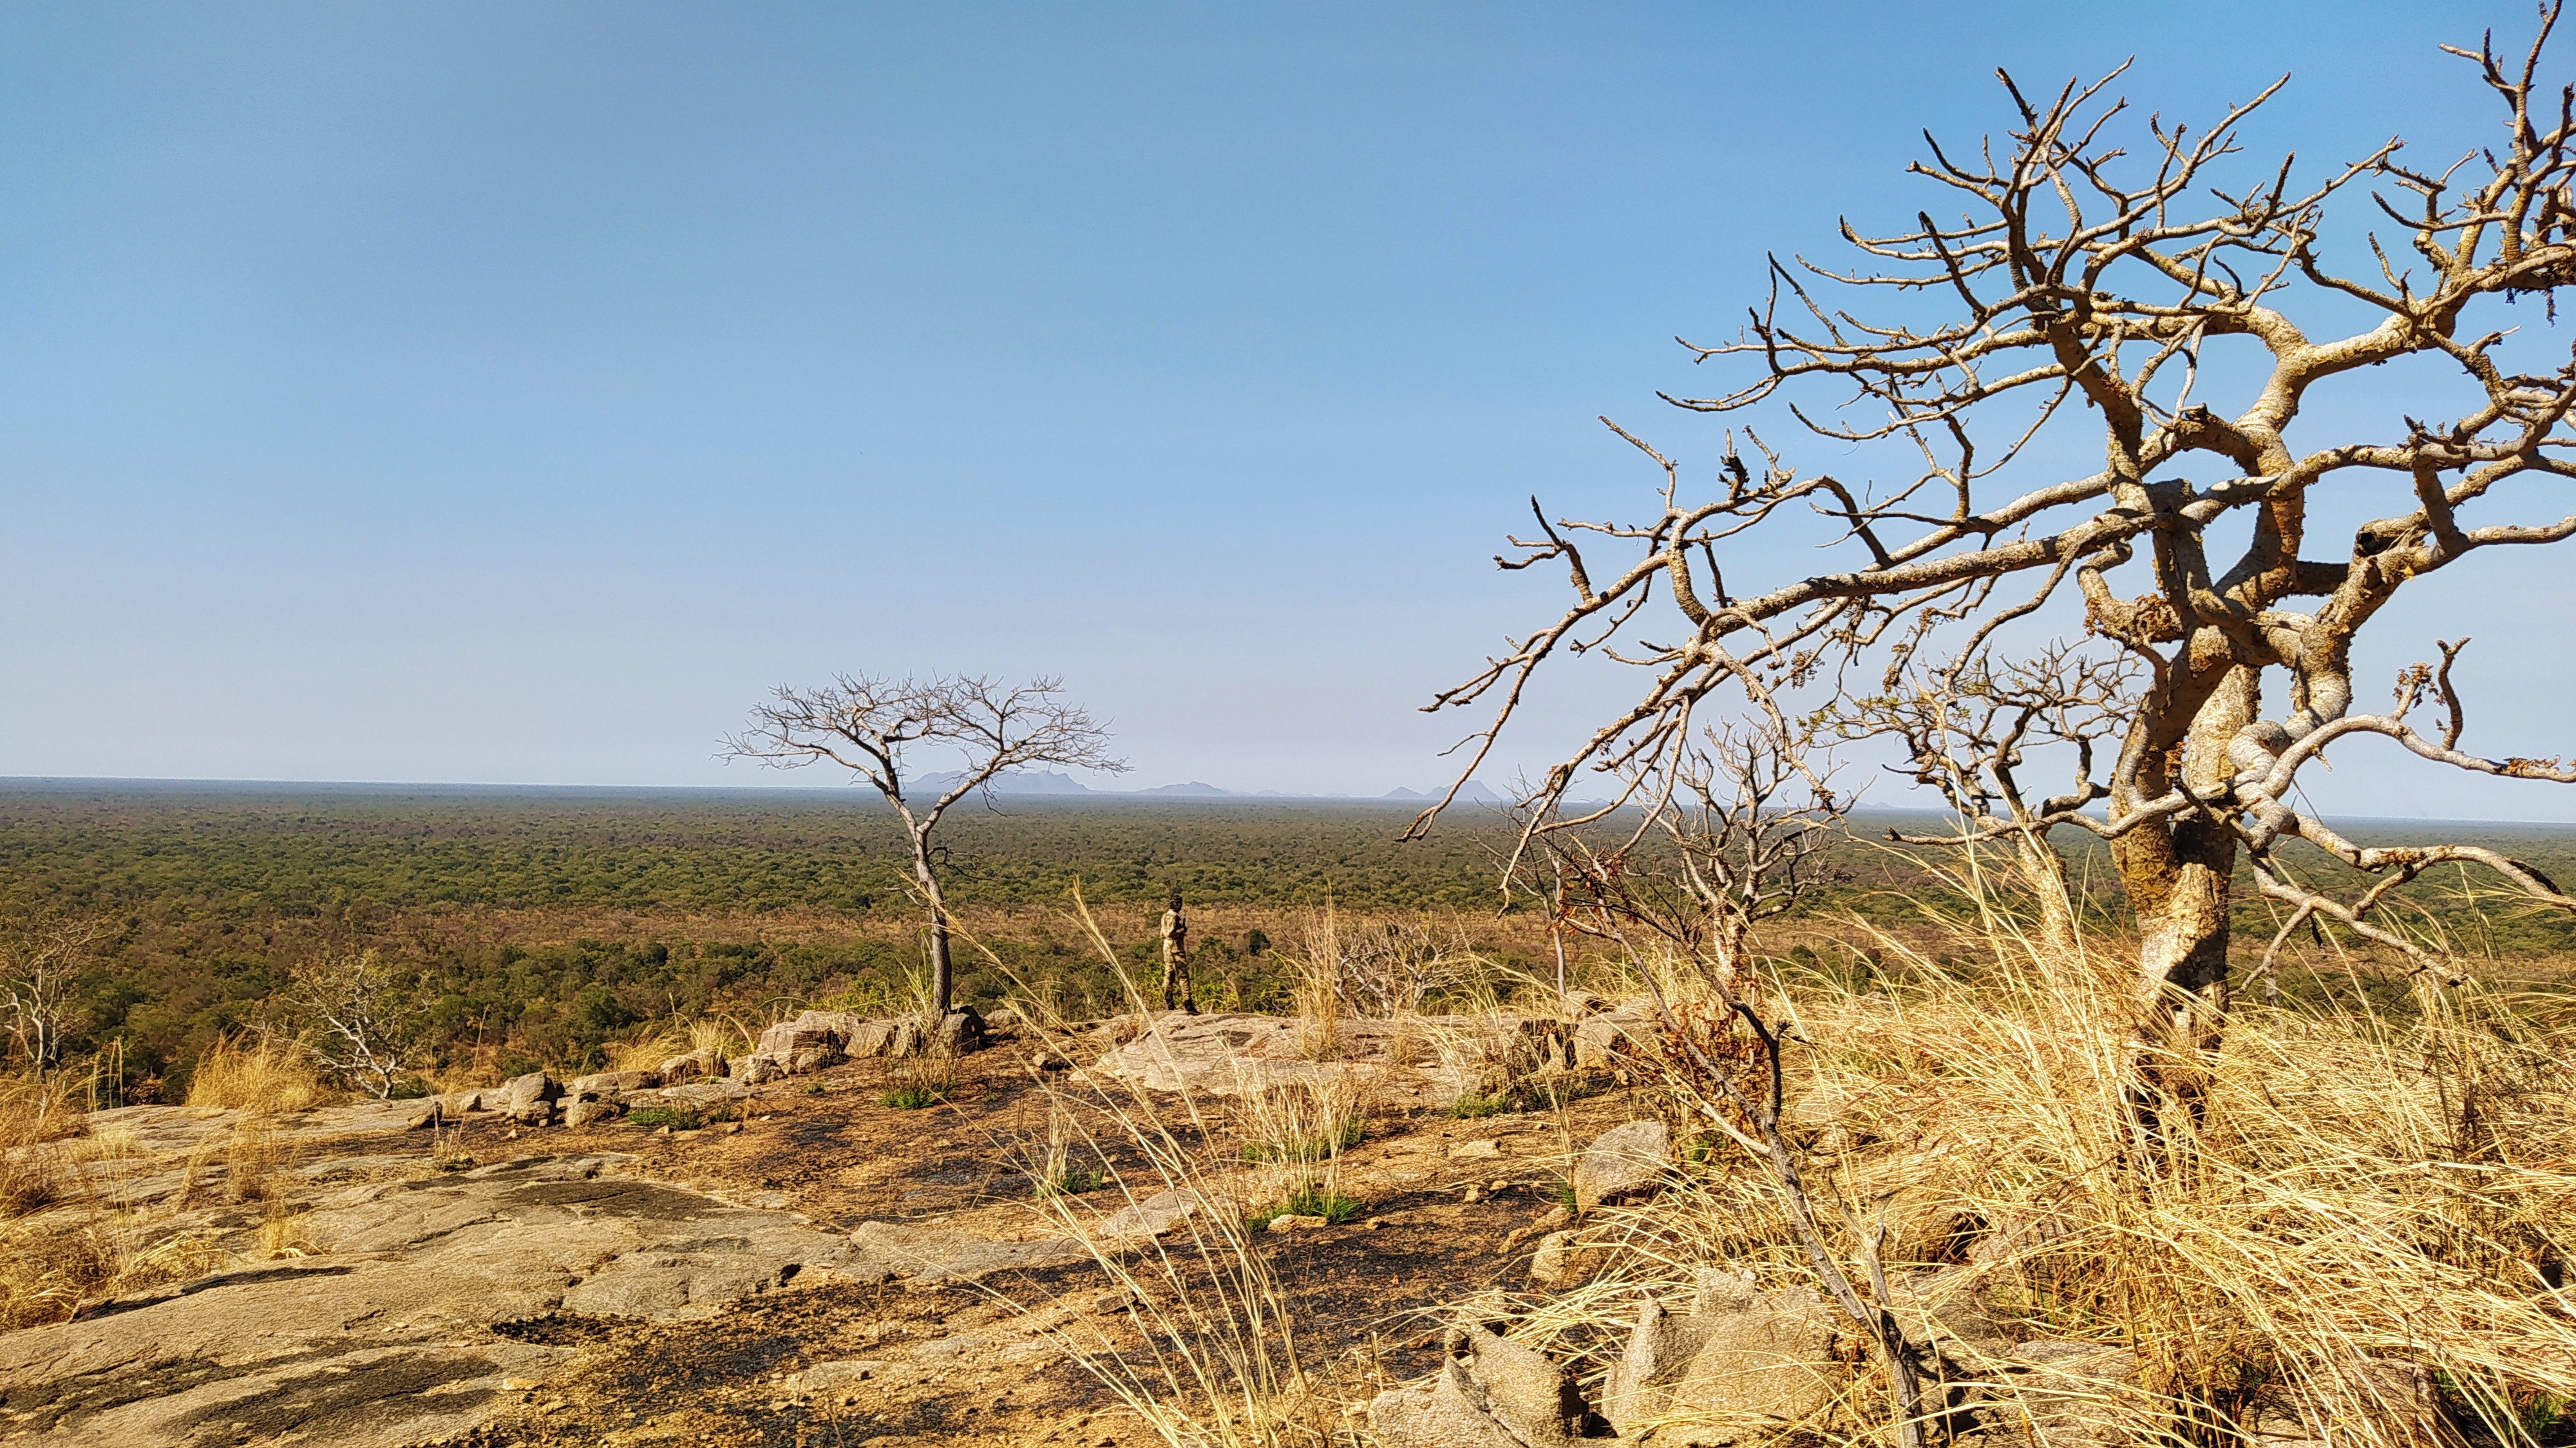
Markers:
point(351, 1400)
point(617, 1196)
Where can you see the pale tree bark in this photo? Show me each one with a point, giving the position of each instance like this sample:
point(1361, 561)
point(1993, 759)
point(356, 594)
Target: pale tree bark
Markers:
point(40, 966)
point(868, 725)
point(2102, 257)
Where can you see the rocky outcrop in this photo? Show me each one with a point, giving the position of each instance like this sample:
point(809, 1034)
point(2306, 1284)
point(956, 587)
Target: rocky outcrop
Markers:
point(817, 1039)
point(1626, 1163)
point(387, 1333)
point(1490, 1393)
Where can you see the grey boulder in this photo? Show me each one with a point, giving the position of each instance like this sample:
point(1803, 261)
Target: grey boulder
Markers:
point(1626, 1163)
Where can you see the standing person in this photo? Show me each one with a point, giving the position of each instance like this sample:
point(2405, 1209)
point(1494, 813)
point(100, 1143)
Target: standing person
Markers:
point(1176, 959)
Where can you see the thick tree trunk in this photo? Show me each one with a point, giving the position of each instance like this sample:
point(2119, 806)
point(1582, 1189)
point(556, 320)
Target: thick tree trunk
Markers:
point(2177, 879)
point(940, 975)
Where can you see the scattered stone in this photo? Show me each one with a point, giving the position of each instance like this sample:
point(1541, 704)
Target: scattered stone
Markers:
point(831, 1377)
point(700, 1065)
point(1553, 1218)
point(1495, 1393)
point(1625, 1164)
point(2392, 1391)
point(757, 1071)
point(1292, 1222)
point(1475, 1151)
point(1153, 1216)
point(584, 1111)
point(810, 1042)
point(1117, 1299)
point(1613, 1038)
point(961, 1032)
point(1561, 1261)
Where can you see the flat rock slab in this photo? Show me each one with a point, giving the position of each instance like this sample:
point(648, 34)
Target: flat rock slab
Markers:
point(386, 1335)
point(164, 1129)
point(933, 1253)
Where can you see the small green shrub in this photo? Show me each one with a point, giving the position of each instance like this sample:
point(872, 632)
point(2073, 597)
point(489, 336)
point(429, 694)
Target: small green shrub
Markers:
point(913, 1095)
point(1542, 1095)
point(408, 1088)
point(1073, 1183)
point(1308, 1200)
point(678, 1118)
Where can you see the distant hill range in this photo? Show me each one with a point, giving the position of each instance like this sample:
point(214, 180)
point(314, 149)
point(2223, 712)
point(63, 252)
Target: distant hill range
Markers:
point(1050, 783)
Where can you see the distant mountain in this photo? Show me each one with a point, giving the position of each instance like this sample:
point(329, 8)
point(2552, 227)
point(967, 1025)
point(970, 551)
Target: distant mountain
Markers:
point(1472, 792)
point(1195, 789)
point(1035, 782)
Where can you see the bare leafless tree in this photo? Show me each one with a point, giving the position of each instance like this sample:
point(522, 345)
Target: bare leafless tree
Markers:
point(2107, 275)
point(1738, 835)
point(351, 1015)
point(866, 725)
point(40, 966)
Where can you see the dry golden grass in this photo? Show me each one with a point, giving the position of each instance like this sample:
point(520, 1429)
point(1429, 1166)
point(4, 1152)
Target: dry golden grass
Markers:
point(257, 1075)
point(36, 1115)
point(2359, 1191)
point(60, 1243)
point(255, 1160)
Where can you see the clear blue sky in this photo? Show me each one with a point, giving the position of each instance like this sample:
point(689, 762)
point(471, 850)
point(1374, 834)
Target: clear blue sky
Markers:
point(514, 392)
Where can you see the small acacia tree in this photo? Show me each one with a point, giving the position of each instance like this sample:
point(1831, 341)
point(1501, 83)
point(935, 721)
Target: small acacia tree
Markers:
point(866, 725)
point(351, 1016)
point(2108, 276)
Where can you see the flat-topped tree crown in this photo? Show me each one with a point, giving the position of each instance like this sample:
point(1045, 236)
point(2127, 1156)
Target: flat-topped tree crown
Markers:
point(868, 725)
point(2101, 260)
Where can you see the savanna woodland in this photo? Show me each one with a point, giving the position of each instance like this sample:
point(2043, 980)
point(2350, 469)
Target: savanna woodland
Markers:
point(2071, 1080)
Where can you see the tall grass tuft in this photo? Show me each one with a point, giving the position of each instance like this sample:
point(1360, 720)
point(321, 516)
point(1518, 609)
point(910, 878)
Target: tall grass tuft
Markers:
point(259, 1074)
